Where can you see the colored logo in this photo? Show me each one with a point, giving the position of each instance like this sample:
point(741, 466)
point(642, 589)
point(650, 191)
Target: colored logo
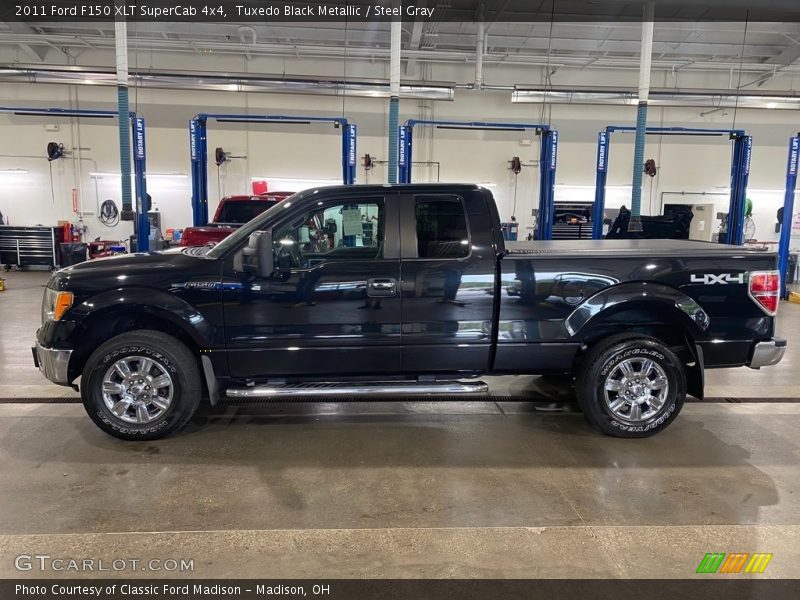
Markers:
point(733, 563)
point(402, 146)
point(351, 155)
point(602, 150)
point(139, 124)
point(793, 154)
point(748, 154)
point(192, 140)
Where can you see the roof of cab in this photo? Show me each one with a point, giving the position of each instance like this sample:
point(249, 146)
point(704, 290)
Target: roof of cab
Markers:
point(400, 187)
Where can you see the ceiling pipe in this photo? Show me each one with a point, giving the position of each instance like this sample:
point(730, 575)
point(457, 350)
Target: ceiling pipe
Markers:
point(121, 45)
point(394, 99)
point(479, 55)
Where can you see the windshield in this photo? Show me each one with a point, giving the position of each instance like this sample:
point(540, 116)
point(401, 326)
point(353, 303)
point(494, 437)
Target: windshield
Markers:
point(241, 234)
point(242, 211)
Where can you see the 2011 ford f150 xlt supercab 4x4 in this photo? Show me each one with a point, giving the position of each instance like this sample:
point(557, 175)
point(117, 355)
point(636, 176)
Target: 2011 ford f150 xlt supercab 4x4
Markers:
point(397, 290)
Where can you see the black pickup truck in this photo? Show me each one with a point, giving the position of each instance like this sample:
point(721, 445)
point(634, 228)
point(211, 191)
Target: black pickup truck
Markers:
point(403, 290)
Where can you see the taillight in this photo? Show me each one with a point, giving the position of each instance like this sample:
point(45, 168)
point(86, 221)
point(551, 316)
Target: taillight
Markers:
point(765, 287)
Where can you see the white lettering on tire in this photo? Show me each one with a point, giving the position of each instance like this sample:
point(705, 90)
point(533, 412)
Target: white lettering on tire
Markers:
point(659, 421)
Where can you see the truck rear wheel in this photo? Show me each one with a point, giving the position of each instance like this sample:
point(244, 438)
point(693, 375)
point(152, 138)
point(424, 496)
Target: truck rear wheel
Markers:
point(631, 386)
point(141, 385)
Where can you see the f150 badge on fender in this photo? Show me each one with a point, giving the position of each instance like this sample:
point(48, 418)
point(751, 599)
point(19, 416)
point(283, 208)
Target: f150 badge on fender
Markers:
point(721, 279)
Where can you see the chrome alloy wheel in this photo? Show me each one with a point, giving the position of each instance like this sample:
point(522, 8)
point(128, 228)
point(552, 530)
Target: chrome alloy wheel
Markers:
point(636, 390)
point(137, 389)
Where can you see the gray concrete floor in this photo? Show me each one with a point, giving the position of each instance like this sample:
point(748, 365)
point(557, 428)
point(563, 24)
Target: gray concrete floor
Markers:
point(434, 489)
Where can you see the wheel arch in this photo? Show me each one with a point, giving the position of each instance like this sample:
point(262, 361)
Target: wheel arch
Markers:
point(654, 310)
point(109, 314)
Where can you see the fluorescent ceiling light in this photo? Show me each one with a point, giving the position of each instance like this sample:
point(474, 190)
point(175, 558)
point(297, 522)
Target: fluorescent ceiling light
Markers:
point(100, 175)
point(270, 177)
point(658, 97)
point(269, 121)
point(470, 128)
point(564, 186)
point(13, 171)
point(229, 82)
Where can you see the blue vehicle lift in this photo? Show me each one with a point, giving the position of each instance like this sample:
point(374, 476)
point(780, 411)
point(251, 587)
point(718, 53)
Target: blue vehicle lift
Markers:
point(198, 150)
point(788, 211)
point(547, 162)
point(140, 223)
point(740, 173)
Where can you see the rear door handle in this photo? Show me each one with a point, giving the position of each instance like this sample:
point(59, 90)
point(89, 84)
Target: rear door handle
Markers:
point(381, 287)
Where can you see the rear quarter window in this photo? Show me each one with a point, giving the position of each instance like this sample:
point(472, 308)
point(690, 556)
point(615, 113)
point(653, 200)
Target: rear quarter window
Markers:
point(441, 224)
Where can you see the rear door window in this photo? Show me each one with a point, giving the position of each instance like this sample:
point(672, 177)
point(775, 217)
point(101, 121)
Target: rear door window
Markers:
point(442, 230)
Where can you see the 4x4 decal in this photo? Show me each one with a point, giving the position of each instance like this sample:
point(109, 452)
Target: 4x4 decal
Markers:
point(714, 279)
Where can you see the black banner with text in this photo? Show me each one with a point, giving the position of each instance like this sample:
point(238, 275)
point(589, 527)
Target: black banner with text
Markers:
point(413, 589)
point(266, 11)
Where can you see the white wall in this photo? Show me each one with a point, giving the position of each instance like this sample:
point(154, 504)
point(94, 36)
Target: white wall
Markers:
point(279, 152)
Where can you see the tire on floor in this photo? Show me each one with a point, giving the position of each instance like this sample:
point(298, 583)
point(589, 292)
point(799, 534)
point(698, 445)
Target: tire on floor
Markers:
point(631, 385)
point(141, 385)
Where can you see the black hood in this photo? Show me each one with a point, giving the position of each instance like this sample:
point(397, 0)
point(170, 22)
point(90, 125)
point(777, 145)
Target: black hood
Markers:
point(149, 269)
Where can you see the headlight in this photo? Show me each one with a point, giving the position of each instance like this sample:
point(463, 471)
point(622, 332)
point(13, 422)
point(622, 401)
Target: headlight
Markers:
point(55, 304)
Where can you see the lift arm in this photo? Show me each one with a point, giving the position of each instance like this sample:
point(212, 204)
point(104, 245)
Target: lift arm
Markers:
point(740, 172)
point(198, 150)
point(547, 165)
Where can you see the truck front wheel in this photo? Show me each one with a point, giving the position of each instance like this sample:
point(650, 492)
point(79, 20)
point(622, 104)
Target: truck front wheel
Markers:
point(141, 385)
point(630, 385)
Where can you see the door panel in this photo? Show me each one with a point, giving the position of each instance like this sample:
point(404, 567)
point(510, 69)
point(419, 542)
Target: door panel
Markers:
point(318, 315)
point(447, 285)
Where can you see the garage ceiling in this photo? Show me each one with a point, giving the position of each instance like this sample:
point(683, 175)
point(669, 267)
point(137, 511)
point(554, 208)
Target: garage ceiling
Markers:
point(770, 47)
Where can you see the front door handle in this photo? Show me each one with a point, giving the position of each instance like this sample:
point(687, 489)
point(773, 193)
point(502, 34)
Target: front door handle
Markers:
point(381, 288)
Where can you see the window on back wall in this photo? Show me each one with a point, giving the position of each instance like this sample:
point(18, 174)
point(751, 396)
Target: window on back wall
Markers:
point(441, 227)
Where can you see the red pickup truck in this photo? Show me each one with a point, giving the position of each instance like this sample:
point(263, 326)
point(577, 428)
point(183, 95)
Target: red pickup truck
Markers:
point(232, 212)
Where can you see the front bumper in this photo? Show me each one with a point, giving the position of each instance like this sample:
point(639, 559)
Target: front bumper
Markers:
point(52, 362)
point(768, 353)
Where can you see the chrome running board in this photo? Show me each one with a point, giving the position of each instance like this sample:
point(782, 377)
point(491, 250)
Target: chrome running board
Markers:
point(345, 390)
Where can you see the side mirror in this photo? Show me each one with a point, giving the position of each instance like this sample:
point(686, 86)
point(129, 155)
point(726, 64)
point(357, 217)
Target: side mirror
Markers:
point(257, 256)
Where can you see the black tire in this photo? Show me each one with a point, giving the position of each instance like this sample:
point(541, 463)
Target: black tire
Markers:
point(171, 357)
point(604, 363)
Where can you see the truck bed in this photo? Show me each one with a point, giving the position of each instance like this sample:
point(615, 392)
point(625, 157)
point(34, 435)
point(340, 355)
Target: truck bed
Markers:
point(628, 248)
